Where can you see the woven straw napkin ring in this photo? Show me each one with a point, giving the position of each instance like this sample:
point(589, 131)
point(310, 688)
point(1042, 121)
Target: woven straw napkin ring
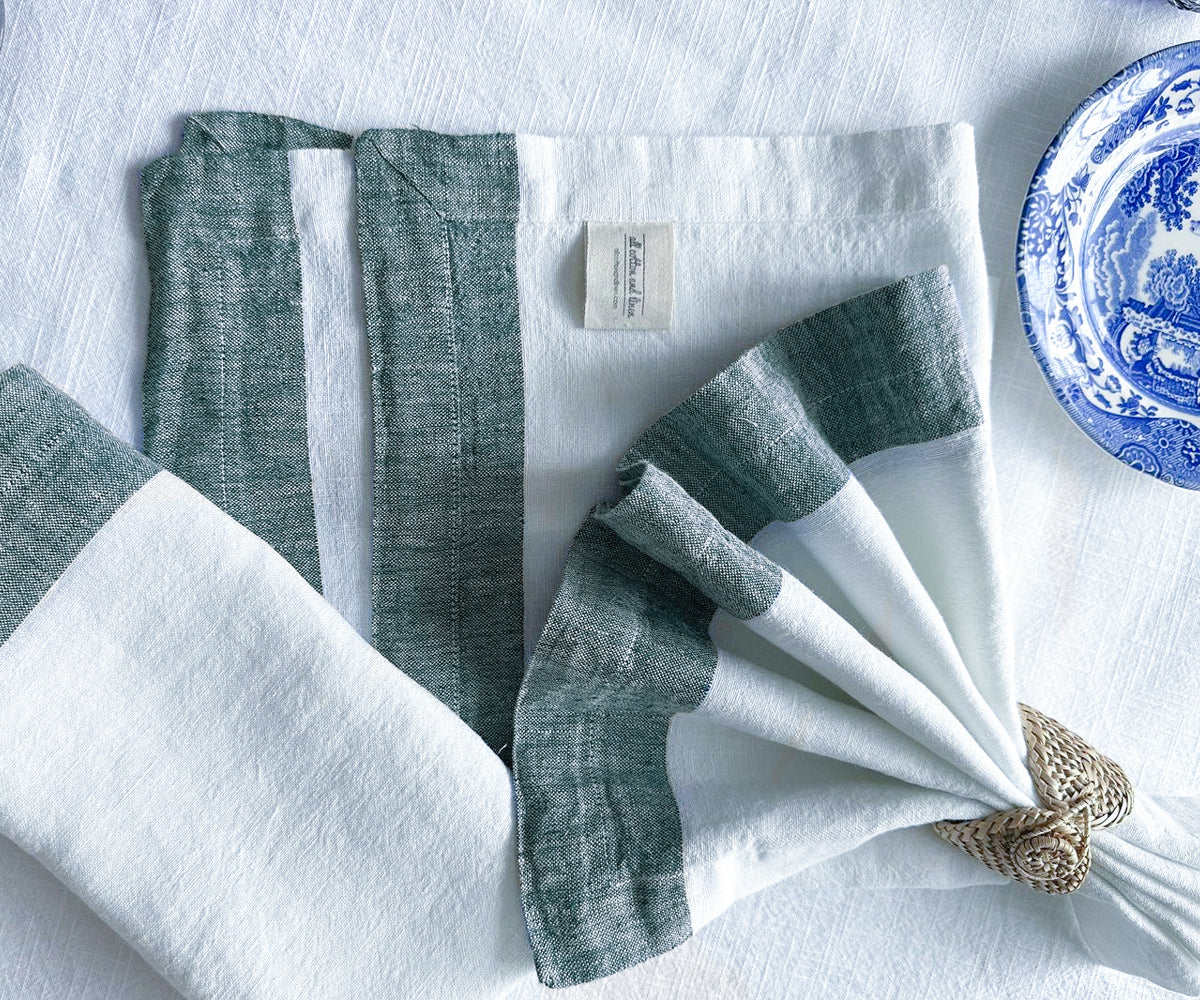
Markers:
point(1048, 848)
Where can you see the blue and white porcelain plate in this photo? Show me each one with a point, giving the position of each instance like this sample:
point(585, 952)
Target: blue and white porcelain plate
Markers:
point(1108, 265)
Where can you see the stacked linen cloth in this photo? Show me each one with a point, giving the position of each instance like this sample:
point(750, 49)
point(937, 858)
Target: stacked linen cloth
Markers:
point(328, 782)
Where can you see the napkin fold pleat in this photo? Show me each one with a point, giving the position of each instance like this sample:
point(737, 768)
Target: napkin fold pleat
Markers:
point(1146, 875)
point(768, 446)
point(662, 521)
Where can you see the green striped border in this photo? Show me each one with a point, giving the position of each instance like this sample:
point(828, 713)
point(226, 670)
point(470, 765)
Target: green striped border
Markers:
point(437, 221)
point(223, 393)
point(658, 518)
point(886, 369)
point(771, 436)
point(62, 476)
point(627, 647)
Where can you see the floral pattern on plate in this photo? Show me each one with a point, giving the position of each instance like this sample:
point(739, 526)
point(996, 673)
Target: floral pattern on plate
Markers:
point(1108, 265)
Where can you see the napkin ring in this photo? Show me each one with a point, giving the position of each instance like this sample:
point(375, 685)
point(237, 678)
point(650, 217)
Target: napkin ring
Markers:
point(1048, 849)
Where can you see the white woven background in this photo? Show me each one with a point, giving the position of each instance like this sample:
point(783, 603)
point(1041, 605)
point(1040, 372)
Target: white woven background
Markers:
point(1103, 560)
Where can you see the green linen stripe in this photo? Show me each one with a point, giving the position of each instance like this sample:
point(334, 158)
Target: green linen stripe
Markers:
point(62, 476)
point(770, 437)
point(223, 395)
point(238, 131)
point(887, 368)
point(659, 519)
point(600, 844)
point(437, 221)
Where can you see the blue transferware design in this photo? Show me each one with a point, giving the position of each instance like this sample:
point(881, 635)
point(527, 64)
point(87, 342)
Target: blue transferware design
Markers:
point(1108, 265)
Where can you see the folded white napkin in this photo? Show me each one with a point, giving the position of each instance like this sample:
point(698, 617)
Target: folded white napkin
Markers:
point(786, 646)
point(203, 751)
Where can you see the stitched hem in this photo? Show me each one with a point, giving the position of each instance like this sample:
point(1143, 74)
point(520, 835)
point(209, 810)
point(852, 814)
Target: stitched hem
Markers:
point(437, 236)
point(224, 399)
point(62, 476)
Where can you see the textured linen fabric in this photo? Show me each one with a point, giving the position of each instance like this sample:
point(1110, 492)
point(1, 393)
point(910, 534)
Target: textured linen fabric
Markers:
point(223, 390)
point(220, 767)
point(767, 230)
point(437, 229)
point(45, 529)
point(1098, 558)
point(231, 360)
point(774, 775)
point(337, 373)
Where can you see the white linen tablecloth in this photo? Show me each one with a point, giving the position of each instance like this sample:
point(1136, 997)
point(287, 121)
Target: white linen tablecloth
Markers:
point(1100, 558)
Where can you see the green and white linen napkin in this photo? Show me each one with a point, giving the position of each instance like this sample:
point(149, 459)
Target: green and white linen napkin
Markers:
point(366, 421)
point(208, 755)
point(372, 357)
point(784, 650)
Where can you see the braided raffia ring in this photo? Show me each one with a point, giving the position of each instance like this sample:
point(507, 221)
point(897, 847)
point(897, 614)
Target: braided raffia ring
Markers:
point(1048, 857)
point(1049, 848)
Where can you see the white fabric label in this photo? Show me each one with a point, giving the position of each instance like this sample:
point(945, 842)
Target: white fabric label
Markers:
point(630, 275)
